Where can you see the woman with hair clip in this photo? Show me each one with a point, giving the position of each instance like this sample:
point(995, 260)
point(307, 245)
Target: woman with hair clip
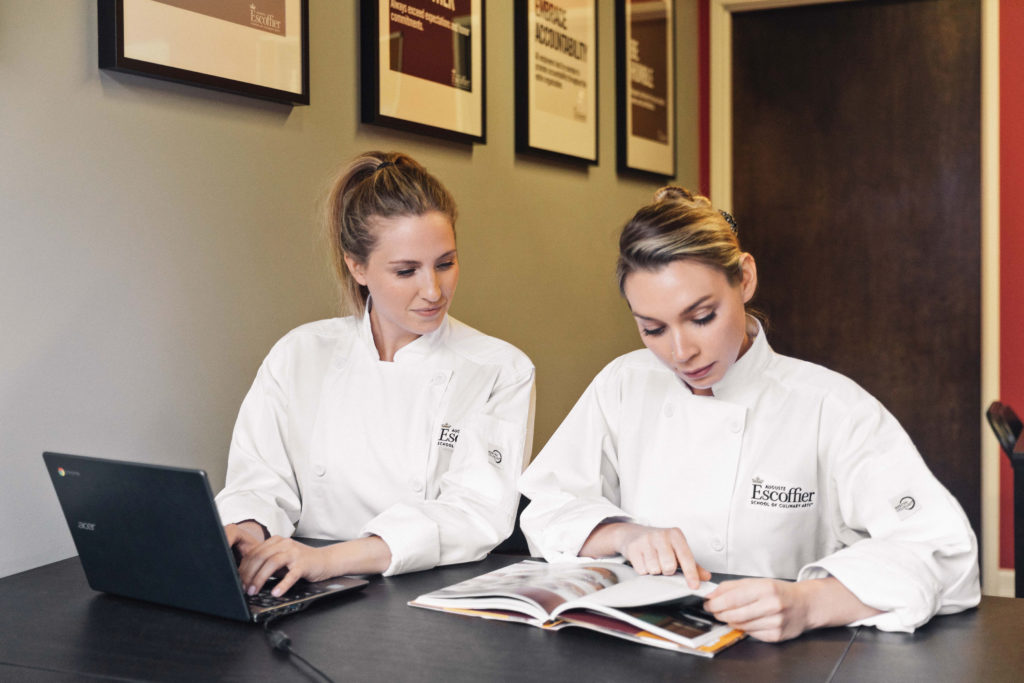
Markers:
point(709, 452)
point(397, 430)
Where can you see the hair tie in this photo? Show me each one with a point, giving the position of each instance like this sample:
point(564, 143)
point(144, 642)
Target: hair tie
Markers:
point(384, 164)
point(730, 220)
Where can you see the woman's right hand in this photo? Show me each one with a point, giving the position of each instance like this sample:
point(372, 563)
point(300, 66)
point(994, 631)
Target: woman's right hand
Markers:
point(243, 537)
point(651, 550)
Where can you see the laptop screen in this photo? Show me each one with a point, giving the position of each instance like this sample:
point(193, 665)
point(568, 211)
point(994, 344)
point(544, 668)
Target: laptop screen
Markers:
point(150, 532)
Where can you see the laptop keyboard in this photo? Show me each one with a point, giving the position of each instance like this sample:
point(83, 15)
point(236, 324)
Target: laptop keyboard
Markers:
point(299, 591)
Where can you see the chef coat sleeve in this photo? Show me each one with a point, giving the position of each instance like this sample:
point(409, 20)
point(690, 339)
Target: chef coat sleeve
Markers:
point(573, 484)
point(261, 483)
point(477, 498)
point(910, 550)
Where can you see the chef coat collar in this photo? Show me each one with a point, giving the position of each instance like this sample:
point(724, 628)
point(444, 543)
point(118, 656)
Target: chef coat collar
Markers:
point(748, 368)
point(415, 350)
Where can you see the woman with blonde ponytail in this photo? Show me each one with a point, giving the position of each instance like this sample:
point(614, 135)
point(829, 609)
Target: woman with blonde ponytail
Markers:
point(709, 452)
point(396, 430)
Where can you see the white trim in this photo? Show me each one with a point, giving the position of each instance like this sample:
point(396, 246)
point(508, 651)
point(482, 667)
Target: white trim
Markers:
point(991, 574)
point(720, 181)
point(1004, 583)
point(720, 105)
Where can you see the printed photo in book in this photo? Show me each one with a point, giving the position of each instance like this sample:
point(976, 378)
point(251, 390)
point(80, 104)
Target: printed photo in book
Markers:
point(661, 611)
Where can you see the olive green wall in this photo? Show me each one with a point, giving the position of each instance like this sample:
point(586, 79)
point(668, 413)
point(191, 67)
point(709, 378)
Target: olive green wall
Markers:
point(156, 239)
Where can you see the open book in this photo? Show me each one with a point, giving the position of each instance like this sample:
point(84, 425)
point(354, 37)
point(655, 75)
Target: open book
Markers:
point(609, 597)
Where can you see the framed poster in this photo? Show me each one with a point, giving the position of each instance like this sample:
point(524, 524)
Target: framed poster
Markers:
point(556, 78)
point(258, 48)
point(423, 66)
point(645, 80)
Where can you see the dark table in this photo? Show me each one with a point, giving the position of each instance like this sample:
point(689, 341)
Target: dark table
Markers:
point(53, 627)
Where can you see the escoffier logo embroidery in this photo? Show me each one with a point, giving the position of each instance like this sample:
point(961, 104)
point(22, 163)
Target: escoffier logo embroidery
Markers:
point(904, 504)
point(449, 435)
point(779, 496)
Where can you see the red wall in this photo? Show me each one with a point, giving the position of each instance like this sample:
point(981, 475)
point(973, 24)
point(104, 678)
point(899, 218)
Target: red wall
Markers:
point(1011, 242)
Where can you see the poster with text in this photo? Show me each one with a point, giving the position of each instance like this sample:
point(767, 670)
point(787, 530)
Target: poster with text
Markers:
point(429, 66)
point(646, 129)
point(253, 46)
point(556, 67)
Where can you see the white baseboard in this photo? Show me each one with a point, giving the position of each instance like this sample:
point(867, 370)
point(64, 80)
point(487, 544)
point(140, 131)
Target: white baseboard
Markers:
point(1004, 584)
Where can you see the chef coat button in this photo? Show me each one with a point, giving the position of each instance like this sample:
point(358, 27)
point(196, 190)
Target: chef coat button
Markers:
point(319, 470)
point(437, 379)
point(717, 545)
point(668, 410)
point(417, 486)
point(735, 427)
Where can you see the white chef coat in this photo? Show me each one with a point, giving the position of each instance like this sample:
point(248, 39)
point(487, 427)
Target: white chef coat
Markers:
point(790, 471)
point(425, 452)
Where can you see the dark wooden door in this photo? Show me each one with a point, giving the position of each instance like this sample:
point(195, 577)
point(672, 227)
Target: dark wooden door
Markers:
point(857, 132)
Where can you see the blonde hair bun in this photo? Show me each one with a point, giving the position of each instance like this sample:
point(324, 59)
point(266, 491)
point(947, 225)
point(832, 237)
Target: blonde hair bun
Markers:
point(675, 193)
point(679, 225)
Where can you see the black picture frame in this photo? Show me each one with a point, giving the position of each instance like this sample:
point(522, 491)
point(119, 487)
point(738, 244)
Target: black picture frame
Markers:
point(126, 29)
point(556, 53)
point(441, 93)
point(645, 87)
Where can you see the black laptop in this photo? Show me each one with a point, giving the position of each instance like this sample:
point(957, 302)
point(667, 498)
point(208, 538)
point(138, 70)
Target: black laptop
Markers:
point(152, 532)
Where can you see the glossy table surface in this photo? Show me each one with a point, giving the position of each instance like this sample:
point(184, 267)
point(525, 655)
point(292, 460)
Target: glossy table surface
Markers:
point(54, 627)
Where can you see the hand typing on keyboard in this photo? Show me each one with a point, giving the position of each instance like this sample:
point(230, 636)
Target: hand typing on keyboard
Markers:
point(243, 537)
point(291, 561)
point(301, 589)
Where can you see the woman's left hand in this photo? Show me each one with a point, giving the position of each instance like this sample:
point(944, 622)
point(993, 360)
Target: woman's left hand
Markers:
point(292, 561)
point(774, 610)
point(277, 554)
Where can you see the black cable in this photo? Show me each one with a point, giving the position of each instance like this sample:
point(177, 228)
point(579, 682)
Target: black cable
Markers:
point(280, 641)
point(842, 657)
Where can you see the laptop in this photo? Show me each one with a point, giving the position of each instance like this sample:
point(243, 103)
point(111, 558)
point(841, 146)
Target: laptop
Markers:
point(152, 533)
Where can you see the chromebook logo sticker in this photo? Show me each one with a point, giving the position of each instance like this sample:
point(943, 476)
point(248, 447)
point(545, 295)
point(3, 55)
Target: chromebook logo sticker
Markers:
point(61, 472)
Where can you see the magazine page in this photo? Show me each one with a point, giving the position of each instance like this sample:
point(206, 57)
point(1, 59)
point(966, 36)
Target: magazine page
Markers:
point(684, 622)
point(621, 629)
point(647, 589)
point(664, 608)
point(533, 588)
